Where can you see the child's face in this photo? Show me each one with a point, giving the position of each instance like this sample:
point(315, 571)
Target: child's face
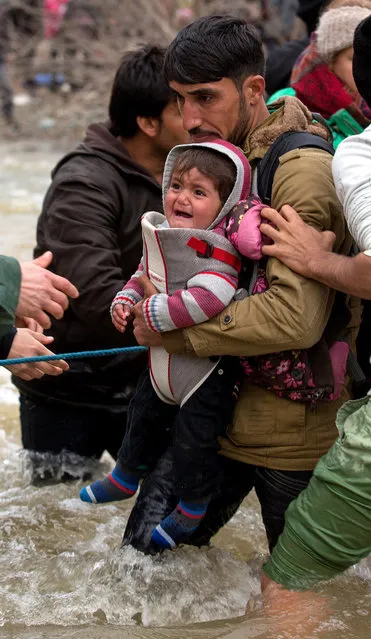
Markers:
point(342, 67)
point(192, 201)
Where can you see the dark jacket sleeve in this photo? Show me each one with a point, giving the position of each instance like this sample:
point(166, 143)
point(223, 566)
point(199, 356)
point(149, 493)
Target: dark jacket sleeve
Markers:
point(10, 284)
point(79, 225)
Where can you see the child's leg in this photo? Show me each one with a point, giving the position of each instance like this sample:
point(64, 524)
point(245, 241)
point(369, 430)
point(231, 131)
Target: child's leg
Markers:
point(199, 423)
point(144, 441)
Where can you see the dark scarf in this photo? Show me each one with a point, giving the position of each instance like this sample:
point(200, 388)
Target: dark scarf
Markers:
point(321, 90)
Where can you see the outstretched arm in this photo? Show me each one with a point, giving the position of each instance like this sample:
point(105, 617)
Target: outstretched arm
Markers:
point(308, 252)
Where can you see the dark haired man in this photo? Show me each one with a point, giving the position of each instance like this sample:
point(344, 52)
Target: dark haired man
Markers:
point(91, 221)
point(273, 443)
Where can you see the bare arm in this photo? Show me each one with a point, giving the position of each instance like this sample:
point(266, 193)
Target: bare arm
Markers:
point(308, 252)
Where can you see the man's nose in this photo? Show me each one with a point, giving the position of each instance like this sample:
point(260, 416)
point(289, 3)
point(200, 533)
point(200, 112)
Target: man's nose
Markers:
point(191, 116)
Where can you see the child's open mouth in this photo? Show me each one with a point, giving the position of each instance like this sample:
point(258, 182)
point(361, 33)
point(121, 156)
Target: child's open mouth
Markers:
point(182, 214)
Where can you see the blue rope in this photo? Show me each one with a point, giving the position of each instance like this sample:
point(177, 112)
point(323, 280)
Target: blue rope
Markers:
point(77, 355)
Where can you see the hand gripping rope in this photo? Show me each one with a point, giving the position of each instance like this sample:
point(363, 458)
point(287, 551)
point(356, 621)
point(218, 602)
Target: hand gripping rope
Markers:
point(77, 355)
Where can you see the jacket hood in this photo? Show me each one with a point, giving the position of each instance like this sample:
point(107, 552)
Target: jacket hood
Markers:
point(100, 142)
point(241, 188)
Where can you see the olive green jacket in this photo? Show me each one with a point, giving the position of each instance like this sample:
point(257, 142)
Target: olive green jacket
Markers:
point(10, 284)
point(292, 314)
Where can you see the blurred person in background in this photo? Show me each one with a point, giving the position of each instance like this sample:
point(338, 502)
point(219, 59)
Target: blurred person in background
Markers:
point(91, 222)
point(322, 75)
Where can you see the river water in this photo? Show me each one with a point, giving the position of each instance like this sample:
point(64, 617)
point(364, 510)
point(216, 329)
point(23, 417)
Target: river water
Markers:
point(62, 574)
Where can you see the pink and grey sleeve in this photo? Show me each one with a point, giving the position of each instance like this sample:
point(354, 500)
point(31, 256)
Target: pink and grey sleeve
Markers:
point(206, 295)
point(132, 292)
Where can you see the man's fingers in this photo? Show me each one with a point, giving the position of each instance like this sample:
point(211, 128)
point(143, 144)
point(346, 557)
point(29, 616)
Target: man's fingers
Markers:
point(42, 318)
point(270, 250)
point(273, 217)
point(56, 367)
point(62, 284)
point(138, 310)
point(44, 260)
point(289, 214)
point(43, 339)
point(269, 231)
point(60, 298)
point(148, 287)
point(329, 238)
point(54, 309)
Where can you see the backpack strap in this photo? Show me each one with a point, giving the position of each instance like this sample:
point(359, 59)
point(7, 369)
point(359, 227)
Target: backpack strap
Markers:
point(285, 142)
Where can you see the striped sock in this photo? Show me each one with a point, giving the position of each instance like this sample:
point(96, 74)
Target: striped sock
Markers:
point(118, 485)
point(177, 527)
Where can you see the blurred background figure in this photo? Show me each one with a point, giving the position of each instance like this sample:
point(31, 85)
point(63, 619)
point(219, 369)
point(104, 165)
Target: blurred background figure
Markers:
point(6, 90)
point(322, 76)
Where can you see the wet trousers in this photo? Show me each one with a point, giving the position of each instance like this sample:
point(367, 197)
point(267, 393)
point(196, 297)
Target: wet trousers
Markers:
point(275, 490)
point(328, 528)
point(193, 429)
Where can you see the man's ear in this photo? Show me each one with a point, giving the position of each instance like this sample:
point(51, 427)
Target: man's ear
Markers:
point(253, 89)
point(149, 126)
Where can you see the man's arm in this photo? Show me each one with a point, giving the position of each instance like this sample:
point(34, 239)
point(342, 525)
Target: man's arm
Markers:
point(10, 283)
point(308, 252)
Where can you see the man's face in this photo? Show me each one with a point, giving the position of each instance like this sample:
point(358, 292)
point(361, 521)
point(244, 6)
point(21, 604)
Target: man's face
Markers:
point(170, 131)
point(213, 110)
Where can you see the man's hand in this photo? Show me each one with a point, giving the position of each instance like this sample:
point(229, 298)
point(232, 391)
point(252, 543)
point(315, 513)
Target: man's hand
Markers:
point(27, 343)
point(143, 335)
point(291, 613)
point(295, 243)
point(43, 292)
point(147, 286)
point(28, 322)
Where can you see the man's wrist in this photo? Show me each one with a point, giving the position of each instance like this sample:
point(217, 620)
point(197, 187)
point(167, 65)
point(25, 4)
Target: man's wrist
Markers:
point(316, 263)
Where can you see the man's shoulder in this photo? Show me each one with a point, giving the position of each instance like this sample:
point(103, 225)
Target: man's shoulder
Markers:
point(308, 156)
point(85, 163)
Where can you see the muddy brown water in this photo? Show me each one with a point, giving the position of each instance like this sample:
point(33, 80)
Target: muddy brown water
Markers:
point(62, 574)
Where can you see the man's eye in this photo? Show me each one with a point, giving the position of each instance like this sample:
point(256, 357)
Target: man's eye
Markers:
point(179, 99)
point(205, 99)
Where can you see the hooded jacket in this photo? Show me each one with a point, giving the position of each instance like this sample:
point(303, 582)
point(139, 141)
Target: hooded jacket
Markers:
point(90, 220)
point(268, 430)
point(192, 286)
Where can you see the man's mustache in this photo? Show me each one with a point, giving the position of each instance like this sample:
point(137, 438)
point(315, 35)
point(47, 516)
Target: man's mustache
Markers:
point(202, 132)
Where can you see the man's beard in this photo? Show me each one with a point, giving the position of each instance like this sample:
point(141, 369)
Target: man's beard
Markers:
point(240, 131)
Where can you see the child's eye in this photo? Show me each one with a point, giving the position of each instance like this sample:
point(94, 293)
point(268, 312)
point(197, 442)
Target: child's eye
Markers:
point(199, 192)
point(175, 186)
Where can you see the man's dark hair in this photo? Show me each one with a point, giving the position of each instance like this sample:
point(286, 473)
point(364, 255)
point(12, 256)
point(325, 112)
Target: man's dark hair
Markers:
point(139, 89)
point(219, 168)
point(213, 48)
